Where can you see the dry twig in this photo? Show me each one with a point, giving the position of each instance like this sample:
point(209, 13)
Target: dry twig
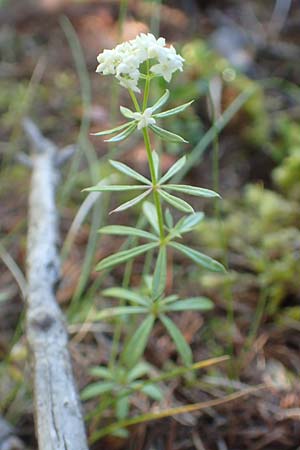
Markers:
point(59, 423)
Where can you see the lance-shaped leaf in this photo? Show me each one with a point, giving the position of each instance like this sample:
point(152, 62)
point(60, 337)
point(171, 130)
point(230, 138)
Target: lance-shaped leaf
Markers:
point(126, 294)
point(173, 170)
point(178, 203)
point(156, 163)
point(116, 188)
point(151, 215)
point(178, 339)
point(119, 311)
point(95, 389)
point(188, 223)
point(139, 370)
point(127, 112)
point(203, 260)
point(160, 273)
point(152, 391)
point(171, 112)
point(121, 167)
point(191, 190)
point(122, 230)
point(188, 304)
point(169, 299)
point(101, 372)
point(113, 130)
point(123, 256)
point(166, 135)
point(161, 101)
point(136, 345)
point(124, 134)
point(169, 218)
point(131, 203)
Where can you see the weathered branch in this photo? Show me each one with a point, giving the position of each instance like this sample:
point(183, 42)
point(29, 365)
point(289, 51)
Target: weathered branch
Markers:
point(59, 423)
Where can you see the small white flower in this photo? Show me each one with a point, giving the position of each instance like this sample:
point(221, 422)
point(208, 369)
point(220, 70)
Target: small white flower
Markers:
point(144, 119)
point(125, 59)
point(130, 81)
point(169, 62)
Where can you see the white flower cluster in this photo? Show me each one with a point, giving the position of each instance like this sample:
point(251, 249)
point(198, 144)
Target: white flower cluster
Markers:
point(125, 59)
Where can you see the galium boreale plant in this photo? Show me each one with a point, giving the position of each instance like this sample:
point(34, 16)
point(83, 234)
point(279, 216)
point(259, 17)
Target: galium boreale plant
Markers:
point(135, 64)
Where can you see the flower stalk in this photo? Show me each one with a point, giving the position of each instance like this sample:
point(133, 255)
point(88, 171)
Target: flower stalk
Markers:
point(162, 234)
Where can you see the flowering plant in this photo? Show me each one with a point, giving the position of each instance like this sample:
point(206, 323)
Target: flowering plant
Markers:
point(136, 63)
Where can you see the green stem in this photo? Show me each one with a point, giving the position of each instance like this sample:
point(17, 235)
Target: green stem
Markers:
point(134, 100)
point(147, 87)
point(156, 197)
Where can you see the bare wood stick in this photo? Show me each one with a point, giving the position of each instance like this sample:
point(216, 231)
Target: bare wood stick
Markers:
point(59, 423)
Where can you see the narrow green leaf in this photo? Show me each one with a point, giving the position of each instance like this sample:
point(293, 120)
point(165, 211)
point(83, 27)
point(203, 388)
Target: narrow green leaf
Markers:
point(153, 392)
point(113, 130)
point(126, 294)
point(123, 135)
point(131, 203)
point(192, 190)
point(178, 203)
point(156, 163)
point(188, 304)
point(95, 389)
point(121, 167)
point(169, 299)
point(138, 371)
point(203, 260)
point(151, 215)
point(101, 372)
point(122, 408)
point(173, 170)
point(178, 339)
point(115, 188)
point(169, 218)
point(122, 230)
point(127, 112)
point(161, 101)
point(137, 344)
point(160, 273)
point(118, 311)
point(123, 256)
point(188, 223)
point(171, 112)
point(166, 135)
